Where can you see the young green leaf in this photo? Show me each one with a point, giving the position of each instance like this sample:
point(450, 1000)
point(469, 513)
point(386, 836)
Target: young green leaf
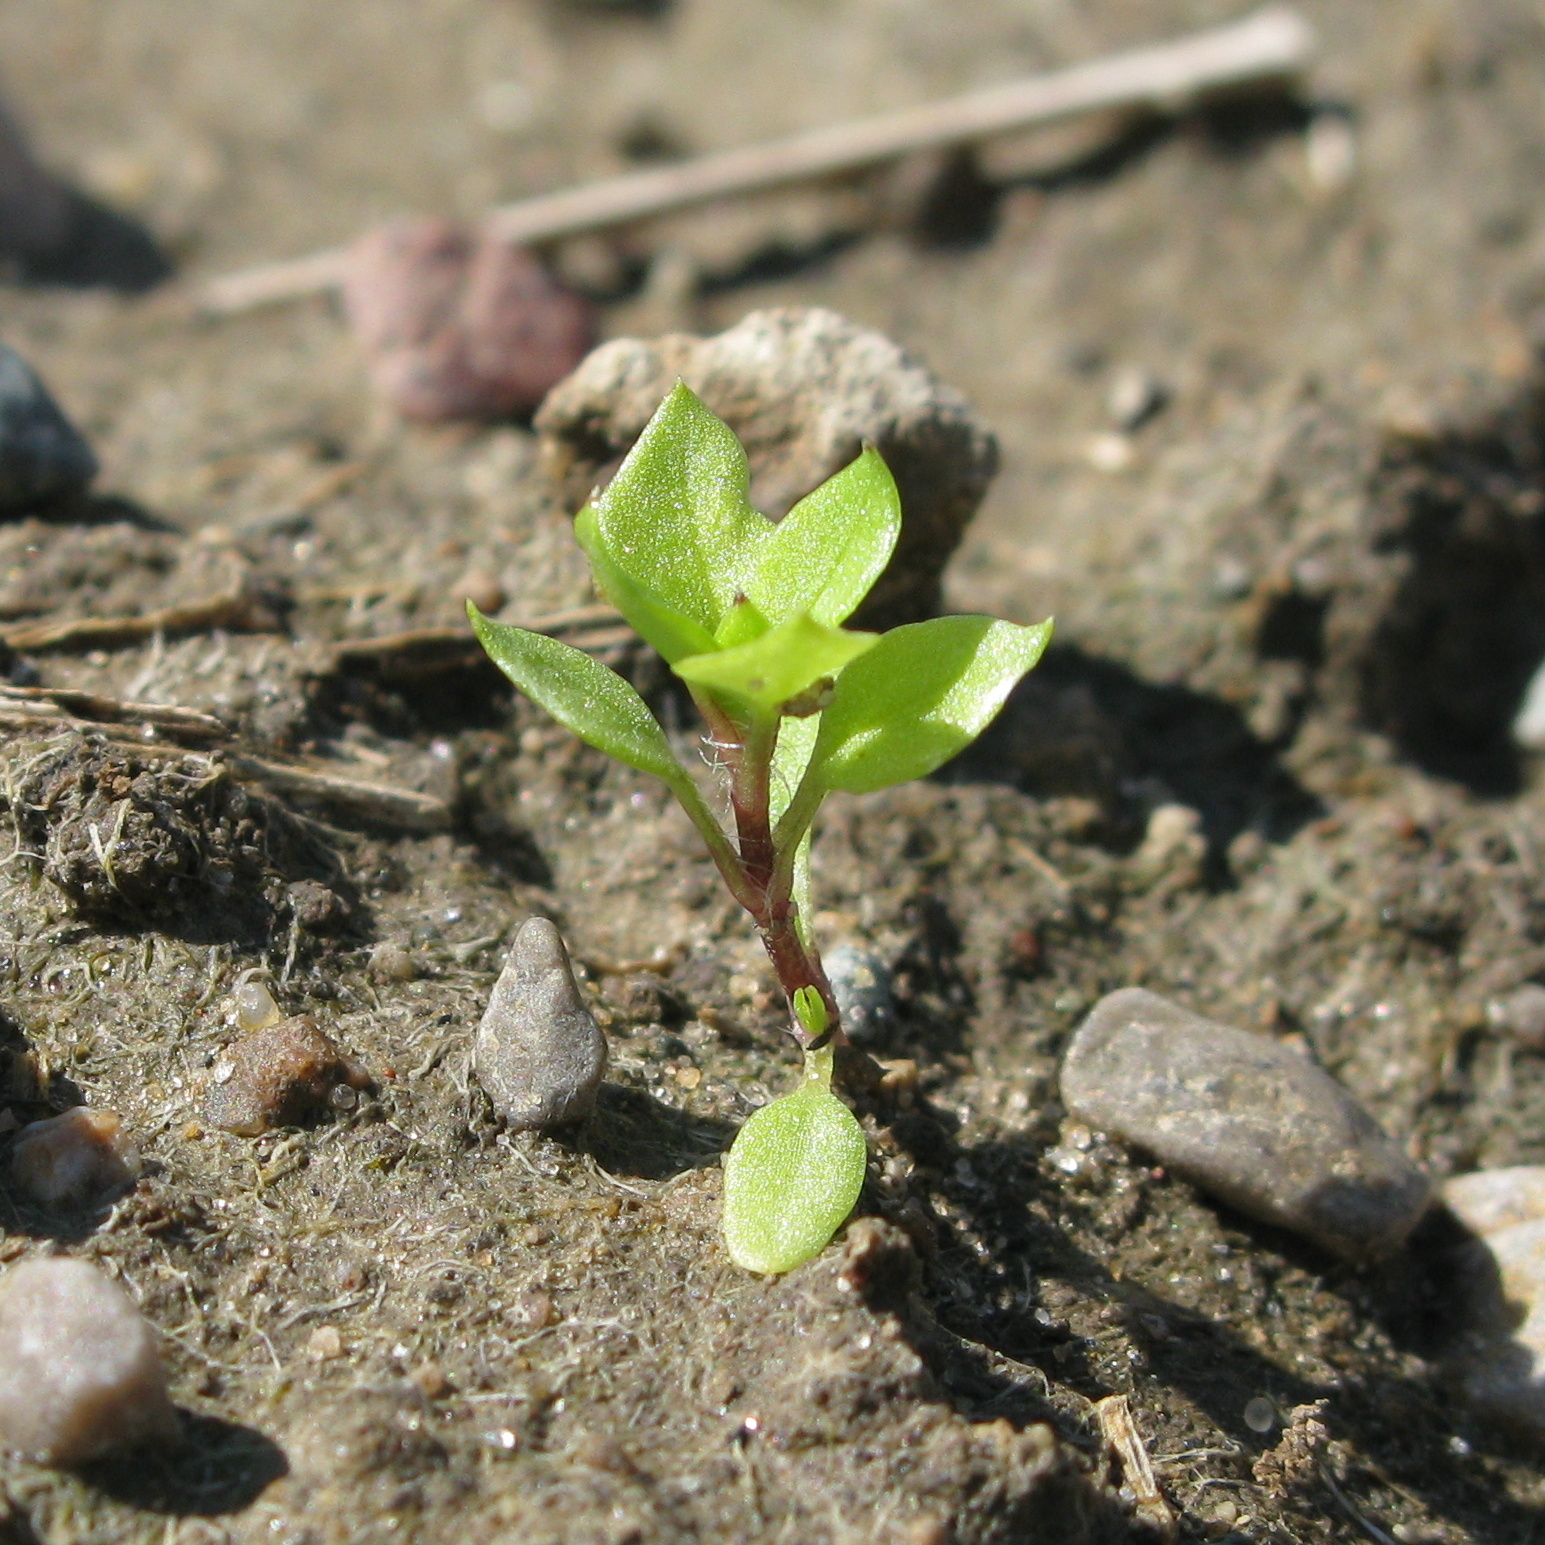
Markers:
point(791, 1179)
point(921, 695)
point(824, 556)
point(676, 518)
point(672, 633)
point(581, 694)
point(778, 666)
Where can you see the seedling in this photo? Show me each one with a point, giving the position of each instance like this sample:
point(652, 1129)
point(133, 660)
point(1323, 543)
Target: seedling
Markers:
point(749, 613)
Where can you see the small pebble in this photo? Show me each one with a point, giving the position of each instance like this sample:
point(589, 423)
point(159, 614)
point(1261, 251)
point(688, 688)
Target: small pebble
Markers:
point(1260, 1414)
point(1489, 1199)
point(1520, 1014)
point(1252, 1121)
point(540, 1054)
point(277, 1077)
point(1529, 722)
point(1135, 396)
point(253, 1007)
point(456, 323)
point(68, 1160)
point(324, 1344)
point(1109, 452)
point(1330, 152)
point(392, 963)
point(861, 983)
point(42, 455)
point(1501, 1370)
point(80, 1366)
point(483, 590)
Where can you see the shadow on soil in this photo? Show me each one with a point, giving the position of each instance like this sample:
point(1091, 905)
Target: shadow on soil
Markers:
point(1446, 672)
point(998, 1349)
point(1081, 725)
point(632, 1133)
point(221, 1467)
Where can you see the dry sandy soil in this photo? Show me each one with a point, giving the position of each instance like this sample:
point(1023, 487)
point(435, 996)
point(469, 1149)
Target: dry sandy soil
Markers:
point(1301, 600)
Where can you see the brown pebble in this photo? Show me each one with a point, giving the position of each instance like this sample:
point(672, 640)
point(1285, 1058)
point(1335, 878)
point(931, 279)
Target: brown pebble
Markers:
point(278, 1077)
point(431, 1381)
point(483, 590)
point(68, 1160)
point(392, 963)
point(456, 323)
point(324, 1344)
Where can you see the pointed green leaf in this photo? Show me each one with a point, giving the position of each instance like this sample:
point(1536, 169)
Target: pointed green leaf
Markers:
point(582, 695)
point(920, 696)
point(791, 1179)
point(671, 632)
point(739, 625)
point(779, 665)
point(676, 518)
point(824, 556)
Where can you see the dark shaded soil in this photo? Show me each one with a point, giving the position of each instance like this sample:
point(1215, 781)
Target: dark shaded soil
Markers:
point(1301, 601)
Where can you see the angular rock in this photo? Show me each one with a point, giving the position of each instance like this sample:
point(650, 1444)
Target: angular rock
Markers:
point(68, 1160)
point(862, 984)
point(80, 1366)
point(277, 1077)
point(1254, 1122)
point(540, 1054)
point(456, 323)
point(804, 390)
point(42, 454)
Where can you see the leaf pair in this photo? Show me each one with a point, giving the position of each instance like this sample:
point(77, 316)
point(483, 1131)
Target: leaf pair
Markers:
point(738, 606)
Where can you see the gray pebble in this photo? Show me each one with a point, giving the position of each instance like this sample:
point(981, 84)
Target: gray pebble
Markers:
point(1520, 1014)
point(1252, 1121)
point(861, 982)
point(540, 1054)
point(42, 455)
point(80, 1366)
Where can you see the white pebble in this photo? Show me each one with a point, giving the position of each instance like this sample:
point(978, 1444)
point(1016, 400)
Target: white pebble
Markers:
point(1330, 152)
point(1489, 1199)
point(1529, 724)
point(80, 1366)
point(1134, 397)
point(253, 1007)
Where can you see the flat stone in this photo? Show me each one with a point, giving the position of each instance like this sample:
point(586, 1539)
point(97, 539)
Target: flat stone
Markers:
point(80, 1366)
point(805, 390)
point(540, 1054)
point(43, 456)
point(1251, 1121)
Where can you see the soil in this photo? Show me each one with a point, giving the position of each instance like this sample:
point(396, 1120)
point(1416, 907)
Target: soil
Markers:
point(1301, 600)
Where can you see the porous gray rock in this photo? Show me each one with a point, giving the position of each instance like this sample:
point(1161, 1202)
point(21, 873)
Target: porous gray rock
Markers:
point(1251, 1121)
point(42, 455)
point(805, 389)
point(540, 1054)
point(80, 1367)
point(861, 982)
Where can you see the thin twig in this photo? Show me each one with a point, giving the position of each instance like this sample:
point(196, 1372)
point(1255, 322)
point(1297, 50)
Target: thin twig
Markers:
point(1272, 43)
point(1114, 1415)
point(237, 609)
point(392, 806)
point(42, 704)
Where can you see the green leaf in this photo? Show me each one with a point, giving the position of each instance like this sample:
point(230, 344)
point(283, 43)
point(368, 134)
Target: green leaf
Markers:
point(671, 632)
point(676, 518)
point(919, 697)
point(778, 666)
point(824, 556)
point(791, 1179)
point(582, 695)
point(796, 740)
point(810, 1009)
point(739, 625)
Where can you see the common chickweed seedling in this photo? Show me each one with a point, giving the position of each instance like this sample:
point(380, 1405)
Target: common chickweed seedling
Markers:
point(749, 615)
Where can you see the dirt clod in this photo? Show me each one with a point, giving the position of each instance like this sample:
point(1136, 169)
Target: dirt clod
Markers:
point(805, 390)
